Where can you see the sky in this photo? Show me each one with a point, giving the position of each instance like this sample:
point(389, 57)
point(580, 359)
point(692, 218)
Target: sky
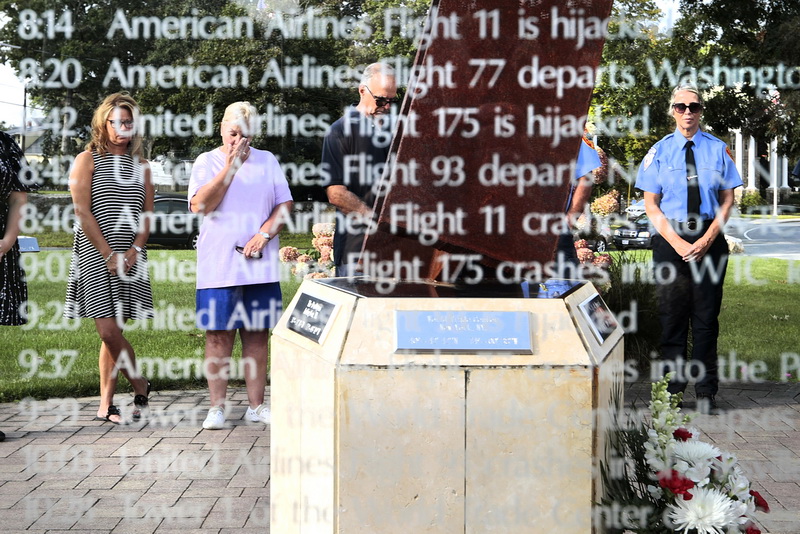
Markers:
point(11, 89)
point(11, 97)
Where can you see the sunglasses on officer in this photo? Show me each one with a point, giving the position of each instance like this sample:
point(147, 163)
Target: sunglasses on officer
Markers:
point(694, 107)
point(381, 101)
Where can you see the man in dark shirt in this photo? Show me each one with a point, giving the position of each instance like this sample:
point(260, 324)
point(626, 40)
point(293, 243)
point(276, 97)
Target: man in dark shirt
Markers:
point(354, 154)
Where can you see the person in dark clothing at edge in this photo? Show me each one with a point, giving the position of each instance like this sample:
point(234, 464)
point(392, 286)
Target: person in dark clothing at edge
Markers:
point(354, 152)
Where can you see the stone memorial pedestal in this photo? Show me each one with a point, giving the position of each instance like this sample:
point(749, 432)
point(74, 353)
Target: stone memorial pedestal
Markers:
point(479, 410)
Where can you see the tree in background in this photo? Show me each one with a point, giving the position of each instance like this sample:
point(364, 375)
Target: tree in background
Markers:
point(68, 62)
point(761, 34)
point(708, 35)
point(63, 60)
point(625, 91)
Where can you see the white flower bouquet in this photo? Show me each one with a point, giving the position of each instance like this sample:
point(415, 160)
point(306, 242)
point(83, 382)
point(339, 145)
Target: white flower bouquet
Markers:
point(671, 481)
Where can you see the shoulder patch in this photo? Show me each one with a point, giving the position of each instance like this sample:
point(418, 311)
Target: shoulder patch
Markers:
point(648, 159)
point(728, 152)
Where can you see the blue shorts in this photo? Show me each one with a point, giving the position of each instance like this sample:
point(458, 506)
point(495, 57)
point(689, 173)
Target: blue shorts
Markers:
point(251, 307)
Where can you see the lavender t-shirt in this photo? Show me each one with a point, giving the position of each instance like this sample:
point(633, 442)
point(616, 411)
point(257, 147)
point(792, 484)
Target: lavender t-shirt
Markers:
point(257, 187)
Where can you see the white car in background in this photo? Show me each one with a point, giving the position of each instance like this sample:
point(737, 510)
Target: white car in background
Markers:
point(636, 209)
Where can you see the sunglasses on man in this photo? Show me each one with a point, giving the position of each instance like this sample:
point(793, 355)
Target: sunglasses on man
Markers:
point(381, 101)
point(694, 107)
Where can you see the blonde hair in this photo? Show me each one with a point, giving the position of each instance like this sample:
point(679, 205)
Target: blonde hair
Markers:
point(243, 115)
point(99, 141)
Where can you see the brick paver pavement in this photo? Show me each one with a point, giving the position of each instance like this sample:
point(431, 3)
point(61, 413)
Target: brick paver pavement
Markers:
point(760, 425)
point(61, 471)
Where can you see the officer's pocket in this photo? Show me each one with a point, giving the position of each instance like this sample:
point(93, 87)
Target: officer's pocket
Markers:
point(672, 180)
point(710, 179)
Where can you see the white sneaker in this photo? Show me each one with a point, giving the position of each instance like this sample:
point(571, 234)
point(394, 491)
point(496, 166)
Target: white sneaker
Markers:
point(215, 419)
point(259, 415)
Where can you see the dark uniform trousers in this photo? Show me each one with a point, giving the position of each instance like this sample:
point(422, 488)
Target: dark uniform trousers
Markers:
point(692, 297)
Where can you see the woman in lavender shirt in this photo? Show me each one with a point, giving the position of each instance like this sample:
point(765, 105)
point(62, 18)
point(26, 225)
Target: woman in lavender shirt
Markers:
point(242, 192)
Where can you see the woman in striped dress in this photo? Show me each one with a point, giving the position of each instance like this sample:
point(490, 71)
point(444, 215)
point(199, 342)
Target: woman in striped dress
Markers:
point(108, 280)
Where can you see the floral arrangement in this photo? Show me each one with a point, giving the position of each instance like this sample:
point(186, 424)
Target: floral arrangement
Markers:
point(601, 173)
point(684, 484)
point(594, 266)
point(323, 240)
point(316, 262)
point(587, 257)
point(735, 245)
point(606, 204)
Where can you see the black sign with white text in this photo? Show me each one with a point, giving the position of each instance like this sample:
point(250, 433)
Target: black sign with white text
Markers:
point(311, 316)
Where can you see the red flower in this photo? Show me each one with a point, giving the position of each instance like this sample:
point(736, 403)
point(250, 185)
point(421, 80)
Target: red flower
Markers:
point(682, 434)
point(674, 482)
point(752, 529)
point(761, 503)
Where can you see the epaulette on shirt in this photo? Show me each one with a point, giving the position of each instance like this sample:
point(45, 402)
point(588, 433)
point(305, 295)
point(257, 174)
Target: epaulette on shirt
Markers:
point(717, 140)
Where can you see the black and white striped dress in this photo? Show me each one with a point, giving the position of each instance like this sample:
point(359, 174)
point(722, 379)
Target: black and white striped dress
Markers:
point(117, 201)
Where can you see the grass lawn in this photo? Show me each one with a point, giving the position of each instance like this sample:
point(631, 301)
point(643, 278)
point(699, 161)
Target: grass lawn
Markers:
point(54, 357)
point(50, 239)
point(760, 321)
point(759, 324)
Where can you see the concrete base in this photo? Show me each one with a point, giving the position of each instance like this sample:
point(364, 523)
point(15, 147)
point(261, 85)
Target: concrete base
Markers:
point(368, 439)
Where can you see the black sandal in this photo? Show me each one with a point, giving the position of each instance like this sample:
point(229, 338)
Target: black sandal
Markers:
point(112, 410)
point(140, 402)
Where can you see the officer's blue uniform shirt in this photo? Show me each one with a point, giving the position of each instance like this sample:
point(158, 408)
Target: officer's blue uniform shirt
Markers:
point(663, 172)
point(588, 160)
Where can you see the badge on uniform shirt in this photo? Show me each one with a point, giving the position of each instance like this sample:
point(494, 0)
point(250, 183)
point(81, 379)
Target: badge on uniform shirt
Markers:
point(648, 159)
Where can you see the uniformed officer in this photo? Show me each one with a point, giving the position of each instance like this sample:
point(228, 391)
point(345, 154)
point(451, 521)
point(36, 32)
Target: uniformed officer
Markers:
point(581, 189)
point(688, 178)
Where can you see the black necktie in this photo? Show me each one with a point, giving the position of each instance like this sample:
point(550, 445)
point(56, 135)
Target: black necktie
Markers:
point(693, 189)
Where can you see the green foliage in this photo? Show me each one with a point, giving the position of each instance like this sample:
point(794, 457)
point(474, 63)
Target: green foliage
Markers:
point(396, 40)
point(757, 34)
point(269, 48)
point(623, 474)
point(624, 90)
point(759, 296)
point(735, 34)
point(751, 199)
point(631, 291)
point(30, 348)
point(758, 321)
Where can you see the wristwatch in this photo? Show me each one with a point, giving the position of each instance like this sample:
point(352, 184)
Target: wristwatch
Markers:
point(137, 248)
point(265, 235)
